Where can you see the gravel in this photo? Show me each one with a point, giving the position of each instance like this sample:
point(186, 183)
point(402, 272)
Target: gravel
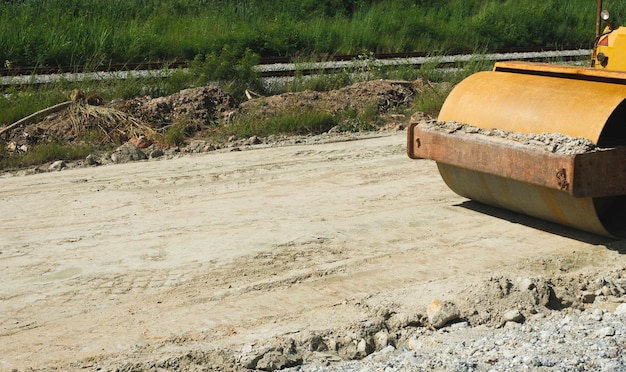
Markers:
point(551, 142)
point(578, 341)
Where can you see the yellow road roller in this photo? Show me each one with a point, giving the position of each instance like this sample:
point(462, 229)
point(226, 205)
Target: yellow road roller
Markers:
point(586, 191)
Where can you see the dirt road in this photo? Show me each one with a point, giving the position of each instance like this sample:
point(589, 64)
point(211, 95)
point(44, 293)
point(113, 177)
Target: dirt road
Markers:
point(140, 262)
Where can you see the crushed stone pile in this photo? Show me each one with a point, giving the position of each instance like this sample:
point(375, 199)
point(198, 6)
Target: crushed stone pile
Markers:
point(583, 341)
point(564, 322)
point(552, 142)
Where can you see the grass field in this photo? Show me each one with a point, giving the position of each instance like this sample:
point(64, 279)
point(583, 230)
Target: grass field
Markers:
point(85, 33)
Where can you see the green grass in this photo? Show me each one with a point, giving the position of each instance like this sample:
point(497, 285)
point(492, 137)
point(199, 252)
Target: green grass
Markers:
point(43, 153)
point(291, 122)
point(87, 33)
point(174, 135)
point(351, 120)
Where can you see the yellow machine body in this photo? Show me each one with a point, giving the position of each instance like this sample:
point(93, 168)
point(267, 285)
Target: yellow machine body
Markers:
point(586, 191)
point(537, 98)
point(609, 53)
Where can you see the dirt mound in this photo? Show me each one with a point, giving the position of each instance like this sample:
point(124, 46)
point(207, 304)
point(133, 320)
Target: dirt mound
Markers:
point(96, 121)
point(197, 106)
point(382, 95)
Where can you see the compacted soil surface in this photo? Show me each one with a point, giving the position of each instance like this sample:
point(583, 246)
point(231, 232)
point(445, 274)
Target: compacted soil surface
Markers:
point(310, 254)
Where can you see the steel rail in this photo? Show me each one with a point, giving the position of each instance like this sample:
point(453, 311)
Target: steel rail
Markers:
point(285, 66)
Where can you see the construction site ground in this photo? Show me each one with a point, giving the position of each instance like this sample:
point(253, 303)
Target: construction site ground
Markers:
point(213, 261)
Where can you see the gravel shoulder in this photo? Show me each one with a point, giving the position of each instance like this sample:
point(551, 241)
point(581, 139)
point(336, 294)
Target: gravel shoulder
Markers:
point(299, 256)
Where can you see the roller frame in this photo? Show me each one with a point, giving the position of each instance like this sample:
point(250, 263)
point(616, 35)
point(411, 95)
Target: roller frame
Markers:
point(584, 191)
point(593, 174)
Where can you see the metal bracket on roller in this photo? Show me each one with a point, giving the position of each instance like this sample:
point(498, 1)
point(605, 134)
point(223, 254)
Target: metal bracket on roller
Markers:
point(591, 174)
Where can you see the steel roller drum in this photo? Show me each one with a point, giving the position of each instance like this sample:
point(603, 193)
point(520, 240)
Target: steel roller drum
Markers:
point(538, 98)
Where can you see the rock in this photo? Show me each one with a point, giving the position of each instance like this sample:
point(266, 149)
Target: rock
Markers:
point(209, 147)
point(142, 142)
point(414, 343)
point(588, 297)
point(275, 360)
point(543, 292)
point(254, 140)
point(605, 332)
point(526, 284)
point(418, 117)
point(91, 160)
point(605, 291)
point(350, 352)
point(126, 153)
point(441, 313)
point(403, 320)
point(512, 316)
point(597, 314)
point(459, 325)
point(384, 311)
point(156, 153)
point(621, 309)
point(57, 165)
point(361, 346)
point(382, 355)
point(316, 343)
point(381, 339)
point(388, 349)
point(332, 344)
point(249, 359)
point(512, 324)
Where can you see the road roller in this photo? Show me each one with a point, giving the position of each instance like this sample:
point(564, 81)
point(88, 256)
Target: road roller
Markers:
point(585, 191)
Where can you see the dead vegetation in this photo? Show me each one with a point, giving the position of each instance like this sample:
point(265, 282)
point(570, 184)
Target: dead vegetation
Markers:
point(197, 112)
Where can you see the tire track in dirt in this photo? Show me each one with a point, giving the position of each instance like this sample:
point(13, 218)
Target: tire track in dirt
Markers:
point(235, 247)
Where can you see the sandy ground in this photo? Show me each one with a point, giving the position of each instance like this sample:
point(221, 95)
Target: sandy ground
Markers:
point(141, 261)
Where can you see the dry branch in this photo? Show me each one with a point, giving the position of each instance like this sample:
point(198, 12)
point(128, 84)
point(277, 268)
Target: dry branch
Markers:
point(31, 117)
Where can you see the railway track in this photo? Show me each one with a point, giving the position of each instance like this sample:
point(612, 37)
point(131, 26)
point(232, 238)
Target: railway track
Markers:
point(282, 66)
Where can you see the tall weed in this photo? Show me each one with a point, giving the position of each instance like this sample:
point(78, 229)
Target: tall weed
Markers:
point(88, 32)
point(234, 70)
point(291, 122)
point(43, 153)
